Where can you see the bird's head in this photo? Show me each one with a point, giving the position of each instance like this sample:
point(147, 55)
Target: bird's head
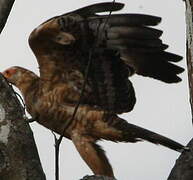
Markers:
point(13, 74)
point(19, 76)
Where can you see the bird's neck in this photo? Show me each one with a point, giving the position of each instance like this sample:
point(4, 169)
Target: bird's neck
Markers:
point(28, 84)
point(31, 90)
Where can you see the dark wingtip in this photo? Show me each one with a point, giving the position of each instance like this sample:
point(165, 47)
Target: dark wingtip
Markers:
point(178, 58)
point(170, 79)
point(180, 70)
point(176, 80)
point(171, 56)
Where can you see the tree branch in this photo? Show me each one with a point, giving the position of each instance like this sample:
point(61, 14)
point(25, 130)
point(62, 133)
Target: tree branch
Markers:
point(5, 8)
point(18, 154)
point(183, 169)
point(189, 47)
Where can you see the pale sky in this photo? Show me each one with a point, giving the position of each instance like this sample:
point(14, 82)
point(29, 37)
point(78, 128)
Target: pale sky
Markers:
point(160, 107)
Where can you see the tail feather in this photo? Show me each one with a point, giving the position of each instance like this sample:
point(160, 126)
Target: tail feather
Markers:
point(155, 138)
point(133, 133)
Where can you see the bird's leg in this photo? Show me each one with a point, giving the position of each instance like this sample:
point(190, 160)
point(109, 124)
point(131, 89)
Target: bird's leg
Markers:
point(92, 154)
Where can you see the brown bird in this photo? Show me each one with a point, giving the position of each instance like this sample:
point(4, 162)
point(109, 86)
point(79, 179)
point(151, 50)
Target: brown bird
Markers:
point(116, 46)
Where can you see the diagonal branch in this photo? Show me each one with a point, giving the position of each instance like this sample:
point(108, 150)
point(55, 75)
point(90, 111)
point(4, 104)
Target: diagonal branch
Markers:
point(5, 8)
point(183, 169)
point(18, 154)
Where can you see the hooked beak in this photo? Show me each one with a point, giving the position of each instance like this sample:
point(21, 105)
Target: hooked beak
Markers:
point(8, 73)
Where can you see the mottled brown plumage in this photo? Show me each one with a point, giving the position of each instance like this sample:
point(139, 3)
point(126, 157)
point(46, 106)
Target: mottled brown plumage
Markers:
point(119, 45)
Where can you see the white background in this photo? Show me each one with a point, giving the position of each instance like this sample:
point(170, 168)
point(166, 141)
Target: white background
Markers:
point(160, 107)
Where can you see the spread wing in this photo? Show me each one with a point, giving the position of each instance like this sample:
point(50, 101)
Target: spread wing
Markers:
point(117, 46)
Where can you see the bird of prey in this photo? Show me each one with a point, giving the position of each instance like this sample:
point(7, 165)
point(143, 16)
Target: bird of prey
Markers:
point(114, 47)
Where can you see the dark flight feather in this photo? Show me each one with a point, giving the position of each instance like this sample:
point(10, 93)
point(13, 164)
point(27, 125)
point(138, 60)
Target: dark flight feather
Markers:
point(98, 8)
point(131, 19)
point(133, 32)
point(121, 45)
point(110, 80)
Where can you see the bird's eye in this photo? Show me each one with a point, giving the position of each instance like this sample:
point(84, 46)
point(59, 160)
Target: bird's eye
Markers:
point(7, 72)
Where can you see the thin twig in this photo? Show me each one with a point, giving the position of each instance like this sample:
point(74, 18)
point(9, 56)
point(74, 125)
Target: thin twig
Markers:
point(56, 156)
point(69, 121)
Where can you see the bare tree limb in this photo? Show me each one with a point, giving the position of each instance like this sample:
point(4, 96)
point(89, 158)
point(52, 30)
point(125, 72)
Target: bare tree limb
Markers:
point(5, 8)
point(189, 47)
point(18, 154)
point(19, 158)
point(183, 169)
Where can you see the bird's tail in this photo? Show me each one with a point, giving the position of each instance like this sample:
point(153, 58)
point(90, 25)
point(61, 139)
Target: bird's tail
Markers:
point(133, 133)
